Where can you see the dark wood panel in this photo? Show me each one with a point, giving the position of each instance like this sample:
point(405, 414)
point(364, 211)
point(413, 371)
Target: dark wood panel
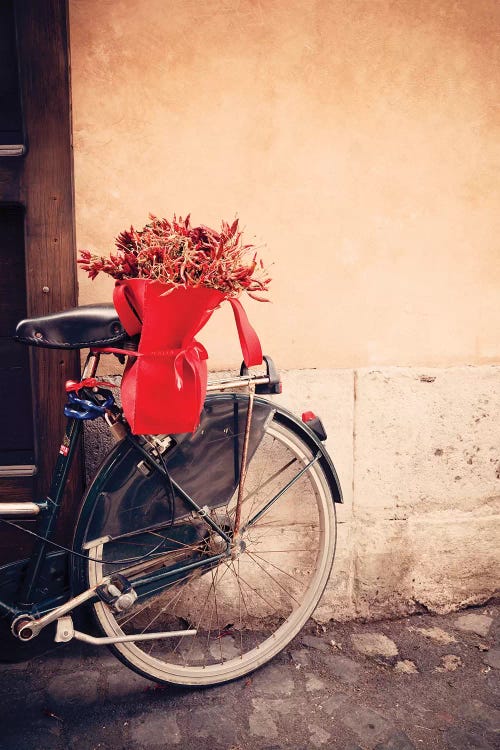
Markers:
point(10, 100)
point(17, 489)
point(9, 179)
point(16, 416)
point(45, 187)
point(50, 241)
point(12, 268)
point(15, 543)
point(16, 410)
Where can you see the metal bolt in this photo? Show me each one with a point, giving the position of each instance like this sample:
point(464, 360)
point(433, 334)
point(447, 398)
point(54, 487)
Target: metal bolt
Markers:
point(45, 289)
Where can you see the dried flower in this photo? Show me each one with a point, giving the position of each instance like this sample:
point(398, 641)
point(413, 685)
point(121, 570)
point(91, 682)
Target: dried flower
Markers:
point(178, 254)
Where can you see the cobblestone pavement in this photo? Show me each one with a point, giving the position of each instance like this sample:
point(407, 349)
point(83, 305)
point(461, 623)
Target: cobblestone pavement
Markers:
point(420, 682)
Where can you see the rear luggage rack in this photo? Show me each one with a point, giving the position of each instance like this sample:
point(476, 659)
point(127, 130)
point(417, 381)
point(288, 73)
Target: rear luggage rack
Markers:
point(264, 383)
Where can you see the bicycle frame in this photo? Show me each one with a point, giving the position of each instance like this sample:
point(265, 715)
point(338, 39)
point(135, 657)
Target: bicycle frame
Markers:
point(38, 615)
point(48, 610)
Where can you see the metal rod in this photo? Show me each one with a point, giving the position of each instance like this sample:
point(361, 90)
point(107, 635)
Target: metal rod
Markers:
point(91, 365)
point(106, 640)
point(287, 486)
point(7, 609)
point(20, 509)
point(243, 470)
point(242, 381)
point(202, 512)
point(66, 632)
point(165, 575)
point(47, 520)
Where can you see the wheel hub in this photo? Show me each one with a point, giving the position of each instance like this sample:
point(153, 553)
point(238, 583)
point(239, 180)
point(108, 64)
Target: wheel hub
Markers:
point(238, 547)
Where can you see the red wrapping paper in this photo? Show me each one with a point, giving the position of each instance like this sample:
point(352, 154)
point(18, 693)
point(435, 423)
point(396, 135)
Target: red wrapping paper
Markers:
point(164, 385)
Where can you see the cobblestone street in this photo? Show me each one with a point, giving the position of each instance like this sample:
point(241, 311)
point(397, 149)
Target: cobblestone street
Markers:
point(421, 682)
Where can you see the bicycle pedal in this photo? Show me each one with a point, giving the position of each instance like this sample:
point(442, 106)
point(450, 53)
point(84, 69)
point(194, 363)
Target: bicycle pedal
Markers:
point(118, 593)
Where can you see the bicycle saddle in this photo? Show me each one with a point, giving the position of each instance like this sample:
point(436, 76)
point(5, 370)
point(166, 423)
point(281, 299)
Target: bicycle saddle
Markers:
point(77, 328)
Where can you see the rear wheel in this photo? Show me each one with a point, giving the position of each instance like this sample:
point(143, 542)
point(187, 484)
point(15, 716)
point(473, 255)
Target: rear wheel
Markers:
point(249, 605)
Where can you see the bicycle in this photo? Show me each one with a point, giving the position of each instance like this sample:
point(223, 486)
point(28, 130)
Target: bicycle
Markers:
point(200, 555)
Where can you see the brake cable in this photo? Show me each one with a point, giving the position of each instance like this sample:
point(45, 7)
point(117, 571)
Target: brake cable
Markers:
point(79, 554)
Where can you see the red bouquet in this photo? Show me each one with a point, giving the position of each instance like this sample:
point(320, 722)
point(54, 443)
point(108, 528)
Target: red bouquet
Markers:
point(181, 255)
point(170, 277)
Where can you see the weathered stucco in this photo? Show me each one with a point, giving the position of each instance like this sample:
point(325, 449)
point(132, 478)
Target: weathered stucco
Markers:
point(357, 140)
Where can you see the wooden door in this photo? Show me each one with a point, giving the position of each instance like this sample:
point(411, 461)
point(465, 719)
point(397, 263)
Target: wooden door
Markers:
point(37, 250)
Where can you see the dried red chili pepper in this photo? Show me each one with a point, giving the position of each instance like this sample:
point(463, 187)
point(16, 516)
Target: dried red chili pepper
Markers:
point(176, 253)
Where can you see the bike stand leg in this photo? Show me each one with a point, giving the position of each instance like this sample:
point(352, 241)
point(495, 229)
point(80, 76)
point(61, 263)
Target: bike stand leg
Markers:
point(66, 632)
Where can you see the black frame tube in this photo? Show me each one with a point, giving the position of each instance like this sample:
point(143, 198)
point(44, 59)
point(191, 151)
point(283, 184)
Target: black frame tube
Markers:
point(48, 518)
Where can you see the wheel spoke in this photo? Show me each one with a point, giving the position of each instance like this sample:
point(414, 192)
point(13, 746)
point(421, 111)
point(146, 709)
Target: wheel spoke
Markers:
point(274, 579)
point(199, 620)
point(262, 485)
point(150, 603)
point(255, 591)
point(268, 562)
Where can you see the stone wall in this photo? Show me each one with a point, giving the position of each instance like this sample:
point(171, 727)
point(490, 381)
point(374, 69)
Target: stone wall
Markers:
point(418, 456)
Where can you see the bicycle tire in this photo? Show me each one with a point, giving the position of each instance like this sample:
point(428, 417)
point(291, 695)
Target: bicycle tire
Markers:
point(250, 606)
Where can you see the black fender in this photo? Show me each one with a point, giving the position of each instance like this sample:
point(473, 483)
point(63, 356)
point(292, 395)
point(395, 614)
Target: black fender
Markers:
point(285, 417)
point(122, 499)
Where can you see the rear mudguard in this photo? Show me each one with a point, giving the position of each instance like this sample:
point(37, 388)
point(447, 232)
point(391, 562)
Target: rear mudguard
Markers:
point(286, 417)
point(127, 497)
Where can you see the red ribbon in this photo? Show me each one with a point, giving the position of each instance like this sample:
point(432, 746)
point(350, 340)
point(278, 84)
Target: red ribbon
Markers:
point(72, 385)
point(191, 354)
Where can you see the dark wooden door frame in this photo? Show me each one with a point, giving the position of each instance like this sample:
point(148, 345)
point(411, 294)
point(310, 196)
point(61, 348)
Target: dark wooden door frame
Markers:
point(42, 181)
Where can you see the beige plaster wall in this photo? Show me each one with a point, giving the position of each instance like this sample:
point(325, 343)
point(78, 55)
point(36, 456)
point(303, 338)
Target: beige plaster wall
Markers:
point(357, 141)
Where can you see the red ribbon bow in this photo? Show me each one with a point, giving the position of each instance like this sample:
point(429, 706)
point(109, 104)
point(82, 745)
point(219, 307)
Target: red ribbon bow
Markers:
point(191, 353)
point(72, 385)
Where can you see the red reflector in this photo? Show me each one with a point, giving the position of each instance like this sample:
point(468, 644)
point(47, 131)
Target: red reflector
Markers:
point(308, 416)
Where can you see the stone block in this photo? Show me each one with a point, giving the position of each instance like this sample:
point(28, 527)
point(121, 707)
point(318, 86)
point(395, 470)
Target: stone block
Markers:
point(474, 623)
point(456, 560)
point(155, 729)
point(341, 667)
point(124, 683)
point(434, 562)
point(273, 679)
point(367, 724)
point(66, 689)
point(330, 395)
point(492, 658)
point(427, 440)
point(337, 602)
point(374, 644)
point(406, 666)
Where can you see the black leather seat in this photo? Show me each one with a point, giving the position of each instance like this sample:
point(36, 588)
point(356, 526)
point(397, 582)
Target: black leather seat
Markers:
point(78, 328)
